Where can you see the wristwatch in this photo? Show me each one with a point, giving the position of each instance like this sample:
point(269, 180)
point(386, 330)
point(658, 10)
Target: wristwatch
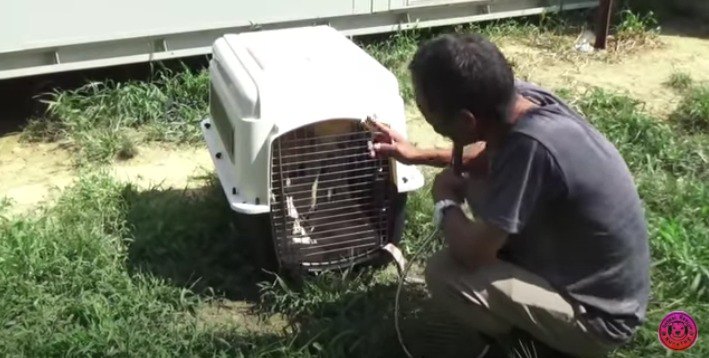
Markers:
point(440, 208)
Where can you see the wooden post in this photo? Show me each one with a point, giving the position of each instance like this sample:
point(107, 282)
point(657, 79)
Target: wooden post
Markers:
point(604, 23)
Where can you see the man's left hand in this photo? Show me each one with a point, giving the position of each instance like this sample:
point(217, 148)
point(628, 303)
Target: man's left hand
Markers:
point(448, 185)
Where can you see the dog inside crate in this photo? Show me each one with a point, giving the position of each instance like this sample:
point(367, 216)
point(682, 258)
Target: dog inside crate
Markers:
point(329, 196)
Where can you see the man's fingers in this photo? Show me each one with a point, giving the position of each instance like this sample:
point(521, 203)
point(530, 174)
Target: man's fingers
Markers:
point(382, 149)
point(386, 129)
point(382, 137)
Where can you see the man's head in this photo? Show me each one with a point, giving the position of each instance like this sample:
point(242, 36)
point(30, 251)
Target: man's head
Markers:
point(464, 86)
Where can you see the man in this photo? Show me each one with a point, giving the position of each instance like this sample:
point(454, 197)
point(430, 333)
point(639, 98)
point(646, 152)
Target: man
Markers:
point(559, 246)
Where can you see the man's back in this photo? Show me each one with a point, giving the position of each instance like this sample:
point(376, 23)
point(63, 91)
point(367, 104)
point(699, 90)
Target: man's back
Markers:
point(578, 221)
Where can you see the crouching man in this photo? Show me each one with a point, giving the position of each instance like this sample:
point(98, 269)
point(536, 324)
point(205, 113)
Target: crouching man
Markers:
point(558, 249)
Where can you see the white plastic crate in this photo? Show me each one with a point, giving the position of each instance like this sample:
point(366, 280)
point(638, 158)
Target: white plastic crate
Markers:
point(286, 139)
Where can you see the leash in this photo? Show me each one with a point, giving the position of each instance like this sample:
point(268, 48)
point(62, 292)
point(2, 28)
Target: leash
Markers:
point(403, 267)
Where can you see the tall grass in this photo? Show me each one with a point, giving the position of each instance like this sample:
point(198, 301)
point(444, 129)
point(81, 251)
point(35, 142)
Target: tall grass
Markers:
point(105, 120)
point(680, 81)
point(692, 114)
point(76, 279)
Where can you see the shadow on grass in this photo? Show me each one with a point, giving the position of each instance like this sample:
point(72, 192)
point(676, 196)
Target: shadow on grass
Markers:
point(190, 238)
point(352, 314)
point(338, 319)
point(679, 17)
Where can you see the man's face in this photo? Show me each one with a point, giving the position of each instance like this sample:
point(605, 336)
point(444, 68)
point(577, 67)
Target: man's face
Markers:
point(459, 129)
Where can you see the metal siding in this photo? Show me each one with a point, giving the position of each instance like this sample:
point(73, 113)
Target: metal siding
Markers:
point(43, 36)
point(39, 23)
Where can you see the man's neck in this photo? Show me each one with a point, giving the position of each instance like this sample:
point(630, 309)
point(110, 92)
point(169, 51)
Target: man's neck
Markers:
point(519, 108)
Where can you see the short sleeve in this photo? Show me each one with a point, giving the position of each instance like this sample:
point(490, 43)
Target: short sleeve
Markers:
point(524, 177)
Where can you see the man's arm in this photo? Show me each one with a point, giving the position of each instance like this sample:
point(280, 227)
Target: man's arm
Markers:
point(524, 178)
point(391, 144)
point(472, 243)
point(439, 158)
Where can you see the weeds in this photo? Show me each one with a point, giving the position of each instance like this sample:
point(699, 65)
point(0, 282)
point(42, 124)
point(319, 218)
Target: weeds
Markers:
point(67, 289)
point(394, 53)
point(680, 81)
point(102, 120)
point(635, 31)
point(647, 144)
point(692, 114)
point(555, 34)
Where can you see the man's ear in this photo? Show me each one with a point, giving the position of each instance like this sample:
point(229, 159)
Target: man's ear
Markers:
point(468, 126)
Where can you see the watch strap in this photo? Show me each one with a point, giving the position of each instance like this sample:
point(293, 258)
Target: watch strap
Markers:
point(440, 207)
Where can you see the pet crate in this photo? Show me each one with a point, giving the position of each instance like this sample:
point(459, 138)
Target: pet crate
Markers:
point(286, 137)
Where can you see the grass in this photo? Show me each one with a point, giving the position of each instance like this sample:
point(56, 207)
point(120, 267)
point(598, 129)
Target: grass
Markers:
point(106, 120)
point(114, 270)
point(78, 279)
point(692, 114)
point(680, 81)
point(111, 269)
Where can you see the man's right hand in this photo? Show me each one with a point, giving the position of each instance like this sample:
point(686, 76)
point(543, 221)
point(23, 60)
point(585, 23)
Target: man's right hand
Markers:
point(388, 143)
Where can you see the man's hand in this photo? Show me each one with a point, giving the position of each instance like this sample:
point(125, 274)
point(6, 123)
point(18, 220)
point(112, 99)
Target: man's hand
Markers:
point(475, 160)
point(389, 143)
point(448, 185)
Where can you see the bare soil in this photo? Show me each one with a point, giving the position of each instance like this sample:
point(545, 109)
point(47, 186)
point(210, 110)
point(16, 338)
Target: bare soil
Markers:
point(30, 171)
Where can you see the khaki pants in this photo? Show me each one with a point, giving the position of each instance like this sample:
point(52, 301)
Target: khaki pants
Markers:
point(495, 299)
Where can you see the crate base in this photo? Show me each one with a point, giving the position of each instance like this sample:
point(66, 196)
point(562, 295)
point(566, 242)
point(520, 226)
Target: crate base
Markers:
point(256, 233)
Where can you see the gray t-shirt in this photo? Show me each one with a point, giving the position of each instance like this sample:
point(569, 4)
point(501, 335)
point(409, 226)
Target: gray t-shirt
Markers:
point(567, 198)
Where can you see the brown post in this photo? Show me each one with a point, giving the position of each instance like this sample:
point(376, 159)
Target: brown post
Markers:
point(604, 23)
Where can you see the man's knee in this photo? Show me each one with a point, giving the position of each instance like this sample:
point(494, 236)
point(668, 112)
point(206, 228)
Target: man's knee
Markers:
point(444, 276)
point(464, 293)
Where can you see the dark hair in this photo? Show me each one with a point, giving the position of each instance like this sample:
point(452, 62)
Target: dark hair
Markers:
point(455, 72)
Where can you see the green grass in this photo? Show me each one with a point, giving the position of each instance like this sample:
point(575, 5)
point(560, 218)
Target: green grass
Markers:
point(106, 120)
point(692, 114)
point(114, 270)
point(680, 81)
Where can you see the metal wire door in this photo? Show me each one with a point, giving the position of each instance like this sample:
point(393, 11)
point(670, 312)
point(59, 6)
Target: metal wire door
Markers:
point(329, 198)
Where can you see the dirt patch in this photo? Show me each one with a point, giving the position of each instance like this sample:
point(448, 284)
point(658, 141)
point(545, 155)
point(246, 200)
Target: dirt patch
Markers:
point(164, 166)
point(239, 314)
point(641, 75)
point(31, 172)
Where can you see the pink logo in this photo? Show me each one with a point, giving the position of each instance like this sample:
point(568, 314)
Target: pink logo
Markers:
point(678, 331)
